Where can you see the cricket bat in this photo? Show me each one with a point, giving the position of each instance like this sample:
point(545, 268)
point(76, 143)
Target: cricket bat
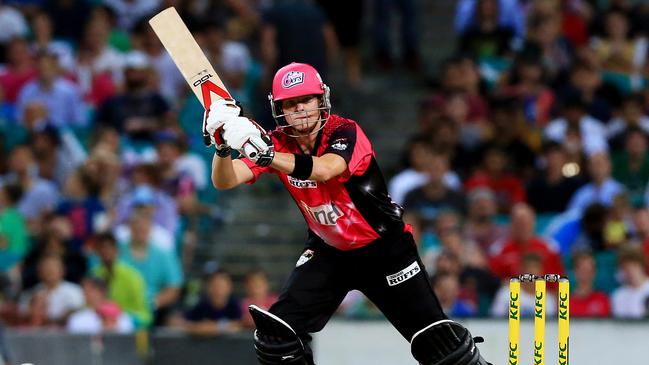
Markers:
point(191, 61)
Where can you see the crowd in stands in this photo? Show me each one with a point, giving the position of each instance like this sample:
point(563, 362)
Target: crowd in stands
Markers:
point(532, 157)
point(531, 153)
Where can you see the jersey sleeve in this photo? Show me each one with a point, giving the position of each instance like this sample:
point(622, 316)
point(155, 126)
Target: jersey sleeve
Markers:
point(350, 142)
point(257, 170)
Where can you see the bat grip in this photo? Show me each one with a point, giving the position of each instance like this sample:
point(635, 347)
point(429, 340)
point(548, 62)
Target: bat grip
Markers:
point(250, 150)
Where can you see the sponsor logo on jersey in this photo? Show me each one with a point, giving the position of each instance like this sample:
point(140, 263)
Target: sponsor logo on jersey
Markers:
point(292, 78)
point(302, 184)
point(306, 256)
point(340, 144)
point(403, 275)
point(326, 214)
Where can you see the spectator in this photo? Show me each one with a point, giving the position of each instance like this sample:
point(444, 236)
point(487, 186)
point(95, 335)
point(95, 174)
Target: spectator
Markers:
point(630, 116)
point(161, 270)
point(447, 289)
point(630, 300)
point(530, 263)
point(576, 130)
point(487, 37)
point(424, 204)
point(509, 15)
point(82, 207)
point(126, 286)
point(61, 97)
point(54, 242)
point(257, 293)
point(602, 188)
point(545, 38)
point(14, 240)
point(12, 25)
point(493, 174)
point(631, 166)
point(58, 152)
point(481, 226)
point(297, 32)
point(68, 17)
point(552, 189)
point(585, 82)
point(585, 300)
point(506, 257)
point(217, 312)
point(415, 176)
point(61, 297)
point(39, 195)
point(138, 111)
point(100, 314)
point(176, 160)
point(129, 12)
point(99, 66)
point(43, 30)
point(383, 11)
point(159, 236)
point(19, 69)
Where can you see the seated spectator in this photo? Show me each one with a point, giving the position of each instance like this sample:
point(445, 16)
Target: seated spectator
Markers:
point(39, 196)
point(425, 203)
point(526, 84)
point(159, 236)
point(178, 164)
point(487, 37)
point(138, 111)
point(630, 116)
point(506, 257)
point(509, 15)
point(641, 232)
point(160, 269)
point(61, 297)
point(14, 240)
point(62, 98)
point(617, 51)
point(602, 188)
point(512, 133)
point(631, 299)
point(493, 175)
point(576, 130)
point(217, 312)
point(257, 293)
point(415, 176)
point(481, 226)
point(19, 69)
point(552, 189)
point(585, 300)
point(631, 166)
point(533, 264)
point(43, 40)
point(126, 286)
point(100, 314)
point(544, 34)
point(58, 152)
point(447, 289)
point(81, 205)
point(54, 240)
point(146, 191)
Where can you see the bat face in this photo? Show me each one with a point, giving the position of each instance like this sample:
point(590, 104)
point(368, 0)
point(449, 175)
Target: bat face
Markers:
point(188, 56)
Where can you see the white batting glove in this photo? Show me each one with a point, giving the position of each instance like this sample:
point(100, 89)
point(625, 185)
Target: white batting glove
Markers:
point(214, 118)
point(249, 139)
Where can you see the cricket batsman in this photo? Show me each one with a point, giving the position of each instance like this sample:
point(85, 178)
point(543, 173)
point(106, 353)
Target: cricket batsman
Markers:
point(356, 236)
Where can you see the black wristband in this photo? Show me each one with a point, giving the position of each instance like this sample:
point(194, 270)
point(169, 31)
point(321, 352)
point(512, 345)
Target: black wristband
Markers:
point(303, 166)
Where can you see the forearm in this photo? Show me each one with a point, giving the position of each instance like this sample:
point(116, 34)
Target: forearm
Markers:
point(223, 175)
point(166, 297)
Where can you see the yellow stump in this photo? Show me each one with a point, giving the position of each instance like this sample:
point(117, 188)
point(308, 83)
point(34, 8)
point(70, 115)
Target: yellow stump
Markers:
point(514, 321)
point(539, 322)
point(564, 321)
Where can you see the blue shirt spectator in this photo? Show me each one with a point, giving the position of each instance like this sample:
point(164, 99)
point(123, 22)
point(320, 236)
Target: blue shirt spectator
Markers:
point(509, 15)
point(602, 188)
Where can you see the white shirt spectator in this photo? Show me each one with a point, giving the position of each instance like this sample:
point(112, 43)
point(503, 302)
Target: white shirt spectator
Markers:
point(500, 305)
point(628, 302)
point(194, 166)
point(159, 236)
point(12, 24)
point(409, 179)
point(592, 131)
point(65, 298)
point(129, 12)
point(172, 82)
point(63, 101)
point(87, 321)
point(590, 194)
point(618, 125)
